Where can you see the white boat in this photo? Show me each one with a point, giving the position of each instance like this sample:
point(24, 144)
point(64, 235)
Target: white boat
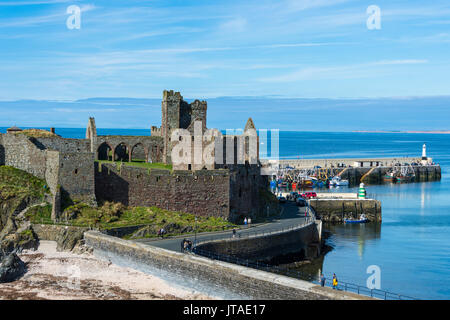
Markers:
point(337, 181)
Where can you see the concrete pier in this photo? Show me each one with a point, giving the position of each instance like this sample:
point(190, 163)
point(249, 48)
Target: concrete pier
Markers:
point(338, 209)
point(369, 171)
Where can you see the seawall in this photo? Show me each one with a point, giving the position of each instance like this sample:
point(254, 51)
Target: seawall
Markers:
point(211, 277)
point(336, 210)
point(305, 240)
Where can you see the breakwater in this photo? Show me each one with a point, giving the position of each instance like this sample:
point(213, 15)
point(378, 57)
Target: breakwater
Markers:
point(212, 277)
point(369, 171)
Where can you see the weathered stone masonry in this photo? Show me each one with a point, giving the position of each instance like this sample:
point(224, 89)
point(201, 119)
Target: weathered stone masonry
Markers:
point(204, 192)
point(229, 193)
point(65, 164)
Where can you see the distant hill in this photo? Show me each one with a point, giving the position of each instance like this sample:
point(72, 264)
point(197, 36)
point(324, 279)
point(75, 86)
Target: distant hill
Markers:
point(299, 114)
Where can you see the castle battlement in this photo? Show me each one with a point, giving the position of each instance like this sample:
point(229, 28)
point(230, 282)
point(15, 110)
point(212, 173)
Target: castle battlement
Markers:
point(171, 95)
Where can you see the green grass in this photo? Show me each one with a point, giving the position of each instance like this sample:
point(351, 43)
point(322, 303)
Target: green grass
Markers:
point(40, 214)
point(113, 215)
point(16, 183)
point(140, 163)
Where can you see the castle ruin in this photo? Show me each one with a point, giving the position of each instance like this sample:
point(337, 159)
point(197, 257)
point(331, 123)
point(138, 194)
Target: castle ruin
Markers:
point(229, 184)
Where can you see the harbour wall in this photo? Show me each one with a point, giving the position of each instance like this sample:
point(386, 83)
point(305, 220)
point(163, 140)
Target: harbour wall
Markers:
point(368, 175)
point(305, 240)
point(336, 163)
point(422, 174)
point(336, 210)
point(211, 277)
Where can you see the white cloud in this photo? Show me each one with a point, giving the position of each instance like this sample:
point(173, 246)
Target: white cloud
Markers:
point(37, 2)
point(235, 25)
point(362, 70)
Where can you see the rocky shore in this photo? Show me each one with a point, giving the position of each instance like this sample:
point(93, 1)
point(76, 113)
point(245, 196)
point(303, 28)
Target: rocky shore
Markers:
point(58, 275)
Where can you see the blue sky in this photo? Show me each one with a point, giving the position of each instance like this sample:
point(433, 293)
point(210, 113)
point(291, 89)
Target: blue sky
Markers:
point(208, 49)
point(303, 48)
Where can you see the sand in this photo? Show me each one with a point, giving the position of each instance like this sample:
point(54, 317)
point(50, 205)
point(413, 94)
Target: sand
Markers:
point(67, 276)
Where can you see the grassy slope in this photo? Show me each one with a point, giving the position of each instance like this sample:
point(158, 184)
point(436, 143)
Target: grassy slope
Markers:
point(112, 215)
point(15, 183)
point(140, 164)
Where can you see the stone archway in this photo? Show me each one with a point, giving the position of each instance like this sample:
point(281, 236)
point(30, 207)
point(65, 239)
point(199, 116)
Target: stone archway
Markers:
point(122, 152)
point(105, 152)
point(139, 153)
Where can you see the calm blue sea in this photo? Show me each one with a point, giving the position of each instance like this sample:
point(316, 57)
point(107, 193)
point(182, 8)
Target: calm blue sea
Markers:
point(412, 244)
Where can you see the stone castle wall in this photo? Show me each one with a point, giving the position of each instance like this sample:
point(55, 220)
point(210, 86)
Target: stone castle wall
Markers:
point(204, 192)
point(76, 175)
point(246, 186)
point(228, 193)
point(2, 151)
point(22, 154)
point(65, 165)
point(62, 144)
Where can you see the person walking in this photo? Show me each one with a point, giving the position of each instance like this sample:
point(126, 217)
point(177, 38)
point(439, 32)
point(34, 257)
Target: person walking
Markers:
point(234, 233)
point(322, 280)
point(335, 281)
point(183, 245)
point(249, 221)
point(245, 221)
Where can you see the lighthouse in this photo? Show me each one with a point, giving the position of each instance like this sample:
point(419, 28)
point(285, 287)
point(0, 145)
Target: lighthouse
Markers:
point(425, 160)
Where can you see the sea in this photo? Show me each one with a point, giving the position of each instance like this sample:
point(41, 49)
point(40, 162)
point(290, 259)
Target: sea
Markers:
point(411, 246)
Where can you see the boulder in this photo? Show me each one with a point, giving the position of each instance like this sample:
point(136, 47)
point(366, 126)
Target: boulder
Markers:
point(69, 238)
point(11, 268)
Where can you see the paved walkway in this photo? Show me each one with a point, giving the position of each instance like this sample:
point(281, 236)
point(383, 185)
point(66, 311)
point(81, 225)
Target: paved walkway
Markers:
point(292, 216)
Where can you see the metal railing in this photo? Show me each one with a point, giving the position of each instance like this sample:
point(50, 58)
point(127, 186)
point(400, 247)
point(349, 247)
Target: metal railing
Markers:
point(342, 285)
point(247, 233)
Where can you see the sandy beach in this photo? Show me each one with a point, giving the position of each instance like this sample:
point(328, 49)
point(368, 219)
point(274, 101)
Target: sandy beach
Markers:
point(66, 276)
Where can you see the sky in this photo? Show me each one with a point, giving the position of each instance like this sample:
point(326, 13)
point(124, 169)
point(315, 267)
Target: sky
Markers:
point(276, 49)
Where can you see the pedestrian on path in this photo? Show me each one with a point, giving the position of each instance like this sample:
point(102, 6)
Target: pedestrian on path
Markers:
point(322, 280)
point(245, 221)
point(249, 221)
point(335, 281)
point(183, 245)
point(234, 233)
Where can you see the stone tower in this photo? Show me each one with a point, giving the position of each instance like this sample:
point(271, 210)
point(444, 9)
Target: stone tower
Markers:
point(178, 114)
point(91, 134)
point(170, 118)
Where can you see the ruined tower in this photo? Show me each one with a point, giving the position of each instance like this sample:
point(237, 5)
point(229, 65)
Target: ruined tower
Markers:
point(91, 134)
point(178, 114)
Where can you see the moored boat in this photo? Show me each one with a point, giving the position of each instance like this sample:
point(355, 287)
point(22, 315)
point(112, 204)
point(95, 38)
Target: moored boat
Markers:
point(390, 176)
point(362, 219)
point(337, 181)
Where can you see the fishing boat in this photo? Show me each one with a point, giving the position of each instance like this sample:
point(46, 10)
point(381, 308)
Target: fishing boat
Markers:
point(308, 182)
point(390, 176)
point(337, 181)
point(407, 174)
point(362, 219)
